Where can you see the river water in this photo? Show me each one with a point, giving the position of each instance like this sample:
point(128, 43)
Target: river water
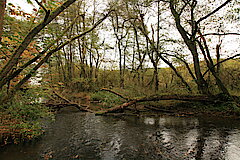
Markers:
point(76, 135)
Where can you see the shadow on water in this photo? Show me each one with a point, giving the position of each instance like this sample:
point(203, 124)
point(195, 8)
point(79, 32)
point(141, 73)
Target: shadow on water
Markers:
point(77, 135)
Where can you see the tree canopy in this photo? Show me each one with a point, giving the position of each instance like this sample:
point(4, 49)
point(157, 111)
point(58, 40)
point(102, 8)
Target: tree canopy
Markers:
point(164, 45)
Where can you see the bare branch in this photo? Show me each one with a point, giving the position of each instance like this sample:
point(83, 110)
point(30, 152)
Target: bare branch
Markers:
point(118, 94)
point(42, 6)
point(47, 12)
point(214, 11)
point(185, 63)
point(219, 34)
point(229, 58)
point(184, 6)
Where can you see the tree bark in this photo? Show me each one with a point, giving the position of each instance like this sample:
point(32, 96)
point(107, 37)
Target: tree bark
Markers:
point(2, 13)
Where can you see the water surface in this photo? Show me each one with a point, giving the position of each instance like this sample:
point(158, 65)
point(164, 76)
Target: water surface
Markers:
point(77, 135)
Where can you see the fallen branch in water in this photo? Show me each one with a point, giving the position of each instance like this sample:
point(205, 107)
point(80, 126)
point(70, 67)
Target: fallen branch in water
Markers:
point(116, 109)
point(67, 103)
point(191, 98)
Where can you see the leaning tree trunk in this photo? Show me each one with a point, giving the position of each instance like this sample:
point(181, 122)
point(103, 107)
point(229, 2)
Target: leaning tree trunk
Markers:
point(13, 61)
point(191, 44)
point(210, 65)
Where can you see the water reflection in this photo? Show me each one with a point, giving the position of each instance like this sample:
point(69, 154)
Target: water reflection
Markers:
point(86, 136)
point(150, 121)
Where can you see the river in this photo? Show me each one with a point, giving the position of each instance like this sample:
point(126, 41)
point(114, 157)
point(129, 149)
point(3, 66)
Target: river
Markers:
point(75, 135)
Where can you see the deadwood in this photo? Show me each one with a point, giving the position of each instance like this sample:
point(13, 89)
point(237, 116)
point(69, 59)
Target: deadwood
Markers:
point(190, 98)
point(67, 103)
point(120, 108)
point(113, 92)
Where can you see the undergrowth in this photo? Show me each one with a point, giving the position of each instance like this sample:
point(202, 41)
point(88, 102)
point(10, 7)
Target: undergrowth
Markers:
point(22, 117)
point(106, 98)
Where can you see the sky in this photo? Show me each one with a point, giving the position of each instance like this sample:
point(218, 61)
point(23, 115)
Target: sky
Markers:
point(23, 4)
point(230, 43)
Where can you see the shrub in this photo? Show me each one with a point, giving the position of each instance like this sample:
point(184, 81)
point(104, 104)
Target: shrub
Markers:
point(107, 98)
point(22, 117)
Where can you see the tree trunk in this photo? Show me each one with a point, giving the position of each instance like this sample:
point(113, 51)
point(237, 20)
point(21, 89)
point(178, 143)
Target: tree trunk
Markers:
point(191, 44)
point(2, 10)
point(156, 79)
point(210, 65)
point(218, 46)
point(13, 61)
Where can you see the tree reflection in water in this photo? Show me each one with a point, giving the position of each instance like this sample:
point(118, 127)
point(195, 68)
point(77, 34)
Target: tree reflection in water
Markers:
point(86, 136)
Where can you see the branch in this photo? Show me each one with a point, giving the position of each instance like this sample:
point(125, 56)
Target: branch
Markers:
point(214, 11)
point(206, 47)
point(229, 58)
point(47, 12)
point(186, 64)
point(42, 6)
point(49, 54)
point(218, 34)
point(13, 61)
point(184, 6)
point(80, 107)
point(111, 91)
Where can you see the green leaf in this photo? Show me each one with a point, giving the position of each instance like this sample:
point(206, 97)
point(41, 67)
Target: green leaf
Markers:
point(29, 1)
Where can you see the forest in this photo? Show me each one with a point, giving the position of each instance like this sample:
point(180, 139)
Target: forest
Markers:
point(116, 57)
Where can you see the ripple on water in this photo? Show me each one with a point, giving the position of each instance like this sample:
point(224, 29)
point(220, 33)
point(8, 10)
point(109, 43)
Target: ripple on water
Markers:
point(77, 135)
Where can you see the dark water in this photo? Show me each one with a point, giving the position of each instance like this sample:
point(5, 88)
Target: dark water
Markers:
point(83, 136)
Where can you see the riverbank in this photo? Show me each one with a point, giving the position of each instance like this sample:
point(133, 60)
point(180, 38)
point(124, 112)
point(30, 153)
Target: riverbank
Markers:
point(15, 130)
point(21, 118)
point(118, 101)
point(24, 123)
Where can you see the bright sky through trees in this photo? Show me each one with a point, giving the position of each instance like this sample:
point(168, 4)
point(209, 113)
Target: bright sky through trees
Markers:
point(230, 43)
point(23, 4)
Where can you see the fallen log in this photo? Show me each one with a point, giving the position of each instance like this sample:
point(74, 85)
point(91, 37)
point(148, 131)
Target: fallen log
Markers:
point(58, 106)
point(129, 102)
point(191, 98)
point(117, 108)
point(80, 107)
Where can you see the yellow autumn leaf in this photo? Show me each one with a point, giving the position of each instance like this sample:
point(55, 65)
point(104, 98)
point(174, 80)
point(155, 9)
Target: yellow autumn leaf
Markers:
point(6, 39)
